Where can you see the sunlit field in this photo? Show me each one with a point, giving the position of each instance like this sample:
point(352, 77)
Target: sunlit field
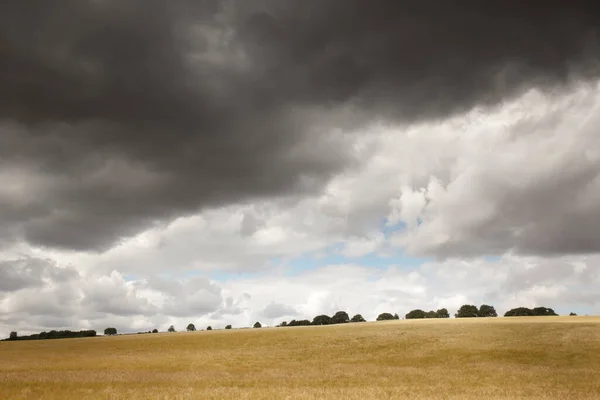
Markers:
point(520, 357)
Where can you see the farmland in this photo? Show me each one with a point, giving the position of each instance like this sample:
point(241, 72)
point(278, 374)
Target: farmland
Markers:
point(491, 358)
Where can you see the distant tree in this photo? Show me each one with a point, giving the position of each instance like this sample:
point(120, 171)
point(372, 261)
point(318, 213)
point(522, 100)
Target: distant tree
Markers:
point(191, 327)
point(396, 316)
point(257, 325)
point(486, 311)
point(443, 313)
point(154, 330)
point(171, 329)
point(431, 314)
point(358, 318)
point(13, 335)
point(321, 320)
point(467, 311)
point(228, 327)
point(302, 322)
point(284, 323)
point(110, 331)
point(543, 311)
point(416, 314)
point(385, 317)
point(519, 312)
point(209, 328)
point(572, 314)
point(340, 317)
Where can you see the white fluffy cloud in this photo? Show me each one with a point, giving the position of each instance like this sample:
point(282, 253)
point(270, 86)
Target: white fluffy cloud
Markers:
point(521, 181)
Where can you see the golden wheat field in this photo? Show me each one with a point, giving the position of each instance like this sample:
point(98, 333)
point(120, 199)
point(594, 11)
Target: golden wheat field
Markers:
point(498, 358)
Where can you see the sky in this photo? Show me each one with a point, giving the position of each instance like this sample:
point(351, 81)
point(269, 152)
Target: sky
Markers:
point(226, 161)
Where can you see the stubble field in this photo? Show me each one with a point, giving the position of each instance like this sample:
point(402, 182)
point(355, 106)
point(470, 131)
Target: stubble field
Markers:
point(499, 358)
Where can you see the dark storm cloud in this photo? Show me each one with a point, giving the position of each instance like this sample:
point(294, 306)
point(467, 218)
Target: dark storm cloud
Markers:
point(119, 114)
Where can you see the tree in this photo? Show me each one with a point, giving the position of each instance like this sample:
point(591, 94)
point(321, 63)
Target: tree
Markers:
point(191, 327)
point(171, 329)
point(487, 311)
point(284, 323)
point(519, 312)
point(572, 314)
point(13, 335)
point(386, 316)
point(154, 330)
point(321, 320)
point(209, 328)
point(443, 313)
point(431, 314)
point(396, 316)
point(543, 311)
point(340, 317)
point(358, 318)
point(257, 325)
point(110, 331)
point(228, 327)
point(467, 311)
point(416, 314)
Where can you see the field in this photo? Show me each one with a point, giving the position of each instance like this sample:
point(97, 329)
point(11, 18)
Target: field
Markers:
point(498, 358)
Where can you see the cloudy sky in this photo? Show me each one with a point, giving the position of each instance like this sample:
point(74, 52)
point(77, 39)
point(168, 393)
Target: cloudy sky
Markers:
point(223, 162)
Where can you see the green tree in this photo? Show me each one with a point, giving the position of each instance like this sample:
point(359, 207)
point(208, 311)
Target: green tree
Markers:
point(284, 323)
point(171, 329)
point(321, 320)
point(572, 314)
point(154, 330)
point(416, 314)
point(191, 327)
point(358, 318)
point(396, 316)
point(443, 313)
point(543, 311)
point(519, 312)
point(110, 331)
point(257, 325)
point(209, 328)
point(487, 311)
point(228, 327)
point(13, 335)
point(340, 317)
point(467, 311)
point(386, 316)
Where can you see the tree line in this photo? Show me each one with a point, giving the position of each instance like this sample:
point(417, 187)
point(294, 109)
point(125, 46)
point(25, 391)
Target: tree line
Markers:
point(340, 317)
point(53, 335)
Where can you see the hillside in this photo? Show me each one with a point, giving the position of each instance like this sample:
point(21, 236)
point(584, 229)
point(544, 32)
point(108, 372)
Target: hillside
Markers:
point(539, 357)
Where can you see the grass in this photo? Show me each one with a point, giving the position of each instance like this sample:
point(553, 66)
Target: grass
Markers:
point(496, 358)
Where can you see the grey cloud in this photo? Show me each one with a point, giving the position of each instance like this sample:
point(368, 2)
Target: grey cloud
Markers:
point(124, 113)
point(276, 310)
point(31, 273)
